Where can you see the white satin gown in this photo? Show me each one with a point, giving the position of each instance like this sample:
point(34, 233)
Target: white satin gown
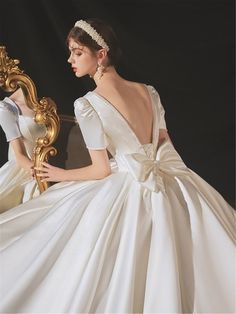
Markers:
point(16, 184)
point(152, 237)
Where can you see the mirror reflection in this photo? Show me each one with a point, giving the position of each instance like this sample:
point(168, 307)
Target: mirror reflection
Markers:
point(30, 126)
point(17, 184)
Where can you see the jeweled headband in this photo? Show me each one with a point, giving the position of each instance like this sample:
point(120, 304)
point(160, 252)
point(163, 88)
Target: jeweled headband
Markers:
point(92, 33)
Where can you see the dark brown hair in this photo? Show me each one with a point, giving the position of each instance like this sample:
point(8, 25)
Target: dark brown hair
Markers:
point(107, 33)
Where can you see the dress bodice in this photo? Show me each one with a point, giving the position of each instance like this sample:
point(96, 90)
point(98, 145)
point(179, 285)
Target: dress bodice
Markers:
point(30, 131)
point(16, 125)
point(119, 136)
point(103, 126)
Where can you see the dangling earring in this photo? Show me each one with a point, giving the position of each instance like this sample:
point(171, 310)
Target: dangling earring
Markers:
point(100, 70)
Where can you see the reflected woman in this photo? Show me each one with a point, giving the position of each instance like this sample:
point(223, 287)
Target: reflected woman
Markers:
point(21, 131)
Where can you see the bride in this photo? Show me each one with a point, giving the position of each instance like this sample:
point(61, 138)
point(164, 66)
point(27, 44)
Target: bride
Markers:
point(137, 233)
point(16, 120)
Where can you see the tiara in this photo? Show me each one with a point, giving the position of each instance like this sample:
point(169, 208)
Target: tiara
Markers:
point(92, 33)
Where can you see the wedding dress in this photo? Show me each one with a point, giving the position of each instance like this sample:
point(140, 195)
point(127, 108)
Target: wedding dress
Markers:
point(152, 237)
point(16, 184)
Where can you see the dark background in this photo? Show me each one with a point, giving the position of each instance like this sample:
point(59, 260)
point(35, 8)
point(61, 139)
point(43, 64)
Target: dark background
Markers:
point(185, 49)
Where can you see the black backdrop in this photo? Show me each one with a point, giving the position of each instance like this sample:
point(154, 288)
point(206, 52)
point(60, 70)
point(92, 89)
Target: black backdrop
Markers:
point(184, 48)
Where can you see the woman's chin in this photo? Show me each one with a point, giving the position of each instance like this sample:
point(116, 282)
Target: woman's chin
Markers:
point(78, 74)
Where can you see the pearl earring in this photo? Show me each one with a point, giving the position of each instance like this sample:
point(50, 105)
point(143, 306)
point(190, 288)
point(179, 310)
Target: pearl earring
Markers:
point(100, 70)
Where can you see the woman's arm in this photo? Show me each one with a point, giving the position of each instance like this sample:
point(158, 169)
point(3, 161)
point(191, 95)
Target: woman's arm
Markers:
point(20, 153)
point(99, 169)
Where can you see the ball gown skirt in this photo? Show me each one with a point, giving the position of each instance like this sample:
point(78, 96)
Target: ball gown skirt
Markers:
point(152, 237)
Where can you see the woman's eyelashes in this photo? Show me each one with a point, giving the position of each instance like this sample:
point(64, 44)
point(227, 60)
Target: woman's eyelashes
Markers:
point(75, 51)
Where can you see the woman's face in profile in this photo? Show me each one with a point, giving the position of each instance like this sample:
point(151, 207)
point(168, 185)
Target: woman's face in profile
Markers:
point(83, 61)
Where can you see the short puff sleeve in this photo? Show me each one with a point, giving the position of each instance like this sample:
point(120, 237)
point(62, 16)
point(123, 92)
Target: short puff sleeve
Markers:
point(9, 121)
point(90, 125)
point(160, 109)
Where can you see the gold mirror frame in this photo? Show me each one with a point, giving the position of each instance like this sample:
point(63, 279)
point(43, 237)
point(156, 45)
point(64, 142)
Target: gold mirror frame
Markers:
point(45, 109)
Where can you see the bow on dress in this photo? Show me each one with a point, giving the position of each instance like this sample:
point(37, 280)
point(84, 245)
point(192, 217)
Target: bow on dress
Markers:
point(150, 171)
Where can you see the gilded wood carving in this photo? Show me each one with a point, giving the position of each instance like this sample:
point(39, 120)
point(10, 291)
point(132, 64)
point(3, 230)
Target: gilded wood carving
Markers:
point(11, 78)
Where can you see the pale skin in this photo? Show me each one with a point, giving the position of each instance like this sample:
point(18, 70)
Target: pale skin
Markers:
point(120, 93)
point(18, 144)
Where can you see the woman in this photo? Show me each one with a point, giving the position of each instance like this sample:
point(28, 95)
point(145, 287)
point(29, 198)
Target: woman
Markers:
point(140, 233)
point(16, 120)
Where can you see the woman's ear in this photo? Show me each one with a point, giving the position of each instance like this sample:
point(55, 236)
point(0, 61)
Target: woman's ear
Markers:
point(101, 55)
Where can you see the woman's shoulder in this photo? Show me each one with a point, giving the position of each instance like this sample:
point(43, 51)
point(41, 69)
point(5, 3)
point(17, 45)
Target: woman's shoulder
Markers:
point(82, 105)
point(8, 106)
point(142, 87)
point(135, 84)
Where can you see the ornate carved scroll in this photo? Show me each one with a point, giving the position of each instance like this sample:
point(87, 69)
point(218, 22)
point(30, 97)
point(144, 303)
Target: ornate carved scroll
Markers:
point(11, 78)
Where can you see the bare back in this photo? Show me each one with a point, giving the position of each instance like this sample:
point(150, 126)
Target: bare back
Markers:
point(133, 102)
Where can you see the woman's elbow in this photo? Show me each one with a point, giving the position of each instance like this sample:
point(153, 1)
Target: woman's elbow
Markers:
point(102, 172)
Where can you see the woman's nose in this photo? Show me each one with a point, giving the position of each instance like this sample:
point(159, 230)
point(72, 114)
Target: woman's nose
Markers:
point(69, 59)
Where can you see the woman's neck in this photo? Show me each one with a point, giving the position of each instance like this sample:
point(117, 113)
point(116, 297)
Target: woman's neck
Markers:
point(109, 78)
point(18, 97)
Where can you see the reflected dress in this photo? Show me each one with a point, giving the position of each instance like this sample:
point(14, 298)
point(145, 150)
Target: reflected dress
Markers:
point(152, 237)
point(16, 184)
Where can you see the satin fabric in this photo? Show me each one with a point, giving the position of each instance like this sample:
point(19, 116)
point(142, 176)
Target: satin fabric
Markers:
point(16, 184)
point(152, 237)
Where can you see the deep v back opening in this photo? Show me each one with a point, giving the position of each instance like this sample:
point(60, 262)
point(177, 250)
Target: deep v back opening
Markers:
point(125, 120)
